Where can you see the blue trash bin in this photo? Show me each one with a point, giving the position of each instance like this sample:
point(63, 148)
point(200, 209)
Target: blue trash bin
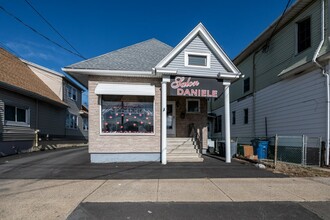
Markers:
point(262, 149)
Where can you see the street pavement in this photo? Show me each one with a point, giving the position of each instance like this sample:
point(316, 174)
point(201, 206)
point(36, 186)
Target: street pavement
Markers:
point(62, 184)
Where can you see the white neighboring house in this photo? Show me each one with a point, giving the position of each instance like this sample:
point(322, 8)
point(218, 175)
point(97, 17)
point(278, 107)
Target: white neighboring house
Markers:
point(286, 86)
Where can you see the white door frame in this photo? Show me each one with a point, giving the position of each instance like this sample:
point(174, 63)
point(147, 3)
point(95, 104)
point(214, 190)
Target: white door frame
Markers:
point(172, 132)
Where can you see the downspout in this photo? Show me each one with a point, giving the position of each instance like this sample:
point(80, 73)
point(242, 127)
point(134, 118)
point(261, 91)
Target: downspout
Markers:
point(324, 72)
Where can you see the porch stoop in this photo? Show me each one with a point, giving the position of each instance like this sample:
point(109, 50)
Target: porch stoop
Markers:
point(182, 150)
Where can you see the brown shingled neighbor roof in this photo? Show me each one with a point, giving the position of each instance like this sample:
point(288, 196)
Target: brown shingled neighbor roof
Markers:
point(17, 75)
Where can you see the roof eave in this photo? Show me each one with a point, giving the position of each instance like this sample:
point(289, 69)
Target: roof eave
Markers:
point(291, 13)
point(32, 95)
point(97, 72)
point(42, 68)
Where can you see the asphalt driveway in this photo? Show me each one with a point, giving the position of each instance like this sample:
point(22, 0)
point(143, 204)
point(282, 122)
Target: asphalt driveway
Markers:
point(74, 163)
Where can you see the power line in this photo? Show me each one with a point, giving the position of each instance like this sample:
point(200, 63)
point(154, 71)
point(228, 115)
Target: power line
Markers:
point(5, 47)
point(276, 25)
point(37, 32)
point(52, 27)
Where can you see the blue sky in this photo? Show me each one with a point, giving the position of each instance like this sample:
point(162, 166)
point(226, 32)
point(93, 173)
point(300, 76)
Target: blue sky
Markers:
point(100, 26)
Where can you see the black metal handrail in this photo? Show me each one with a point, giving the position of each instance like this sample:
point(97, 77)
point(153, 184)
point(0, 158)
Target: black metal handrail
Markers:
point(196, 137)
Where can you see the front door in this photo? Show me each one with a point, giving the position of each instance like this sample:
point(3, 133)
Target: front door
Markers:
point(170, 119)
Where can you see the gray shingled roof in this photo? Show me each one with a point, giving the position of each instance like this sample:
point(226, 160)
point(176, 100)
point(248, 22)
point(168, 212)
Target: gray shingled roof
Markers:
point(139, 57)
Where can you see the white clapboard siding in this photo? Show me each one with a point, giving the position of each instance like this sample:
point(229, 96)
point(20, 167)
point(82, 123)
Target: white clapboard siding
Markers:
point(197, 45)
point(294, 106)
point(239, 129)
point(280, 55)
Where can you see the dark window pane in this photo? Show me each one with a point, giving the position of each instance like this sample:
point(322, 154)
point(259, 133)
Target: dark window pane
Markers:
point(21, 115)
point(246, 116)
point(197, 60)
point(193, 106)
point(246, 85)
point(218, 124)
point(69, 89)
point(234, 117)
point(304, 35)
point(9, 113)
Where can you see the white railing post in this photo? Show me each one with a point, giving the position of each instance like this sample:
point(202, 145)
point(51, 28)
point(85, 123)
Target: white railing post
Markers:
point(164, 115)
point(227, 120)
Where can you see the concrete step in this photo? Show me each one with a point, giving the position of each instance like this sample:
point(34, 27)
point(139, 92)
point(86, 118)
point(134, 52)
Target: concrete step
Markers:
point(176, 154)
point(172, 146)
point(182, 152)
point(182, 148)
point(180, 143)
point(184, 159)
point(178, 140)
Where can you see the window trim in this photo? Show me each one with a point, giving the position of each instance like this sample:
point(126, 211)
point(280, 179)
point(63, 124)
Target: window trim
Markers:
point(77, 121)
point(124, 134)
point(70, 87)
point(207, 55)
point(27, 122)
point(199, 106)
point(296, 37)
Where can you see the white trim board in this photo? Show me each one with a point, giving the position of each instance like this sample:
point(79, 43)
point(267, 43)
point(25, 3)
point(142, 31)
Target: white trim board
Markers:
point(125, 89)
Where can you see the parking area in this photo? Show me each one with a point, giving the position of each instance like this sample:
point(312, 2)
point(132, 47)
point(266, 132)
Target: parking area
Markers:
point(74, 164)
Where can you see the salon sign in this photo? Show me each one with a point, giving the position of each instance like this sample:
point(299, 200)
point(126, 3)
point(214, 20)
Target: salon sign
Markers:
point(195, 87)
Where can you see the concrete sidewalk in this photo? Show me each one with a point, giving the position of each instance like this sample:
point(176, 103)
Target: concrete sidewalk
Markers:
point(55, 185)
point(57, 199)
point(213, 190)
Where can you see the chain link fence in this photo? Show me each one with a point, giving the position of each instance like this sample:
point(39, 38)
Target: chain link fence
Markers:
point(302, 150)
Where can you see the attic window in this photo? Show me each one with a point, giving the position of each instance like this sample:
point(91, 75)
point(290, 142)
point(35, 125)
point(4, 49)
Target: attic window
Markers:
point(303, 35)
point(197, 60)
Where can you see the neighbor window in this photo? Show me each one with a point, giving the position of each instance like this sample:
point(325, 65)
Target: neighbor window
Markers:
point(85, 124)
point(303, 34)
point(17, 115)
point(71, 121)
point(218, 124)
point(193, 105)
point(233, 113)
point(246, 84)
point(127, 114)
point(71, 92)
point(246, 116)
point(197, 59)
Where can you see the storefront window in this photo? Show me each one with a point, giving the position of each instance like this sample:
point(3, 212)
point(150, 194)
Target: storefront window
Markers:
point(127, 114)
